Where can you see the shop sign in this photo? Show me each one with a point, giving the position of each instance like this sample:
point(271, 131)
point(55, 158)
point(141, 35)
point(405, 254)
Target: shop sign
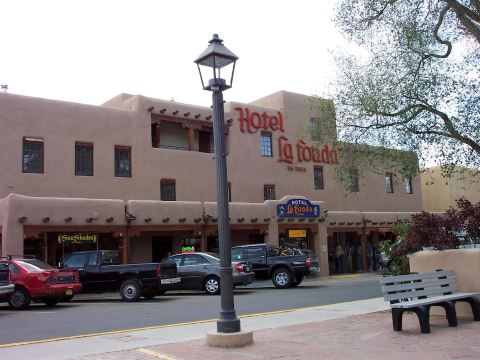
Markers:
point(77, 238)
point(251, 122)
point(297, 233)
point(298, 208)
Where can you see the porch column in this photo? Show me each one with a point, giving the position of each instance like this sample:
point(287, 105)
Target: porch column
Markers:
point(191, 139)
point(321, 248)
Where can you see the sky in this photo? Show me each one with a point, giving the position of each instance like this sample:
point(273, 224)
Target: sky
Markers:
point(89, 51)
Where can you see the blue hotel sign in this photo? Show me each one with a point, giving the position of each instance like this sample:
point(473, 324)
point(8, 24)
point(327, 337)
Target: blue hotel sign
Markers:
point(298, 208)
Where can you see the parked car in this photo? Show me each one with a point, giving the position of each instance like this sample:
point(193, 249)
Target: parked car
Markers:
point(200, 271)
point(286, 267)
point(102, 271)
point(6, 287)
point(35, 280)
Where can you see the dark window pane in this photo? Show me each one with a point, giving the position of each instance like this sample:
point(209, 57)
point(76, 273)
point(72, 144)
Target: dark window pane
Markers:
point(167, 190)
point(83, 160)
point(318, 177)
point(353, 180)
point(123, 162)
point(269, 192)
point(266, 144)
point(32, 161)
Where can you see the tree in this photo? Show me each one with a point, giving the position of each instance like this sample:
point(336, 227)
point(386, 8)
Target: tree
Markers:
point(414, 83)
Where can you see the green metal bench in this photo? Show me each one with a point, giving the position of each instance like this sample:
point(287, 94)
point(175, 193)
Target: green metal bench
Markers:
point(419, 292)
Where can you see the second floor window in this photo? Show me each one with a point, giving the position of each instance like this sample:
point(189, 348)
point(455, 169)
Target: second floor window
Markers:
point(32, 156)
point(408, 185)
point(266, 144)
point(318, 177)
point(269, 192)
point(167, 190)
point(354, 180)
point(389, 182)
point(83, 159)
point(123, 161)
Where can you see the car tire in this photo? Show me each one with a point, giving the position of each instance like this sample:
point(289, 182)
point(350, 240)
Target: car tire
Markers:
point(51, 302)
point(130, 290)
point(19, 299)
point(212, 285)
point(282, 278)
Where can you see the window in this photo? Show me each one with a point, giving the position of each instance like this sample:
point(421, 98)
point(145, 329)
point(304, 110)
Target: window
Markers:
point(408, 185)
point(268, 192)
point(318, 177)
point(354, 180)
point(194, 260)
point(266, 144)
point(75, 261)
point(238, 254)
point(32, 161)
point(389, 183)
point(83, 159)
point(123, 161)
point(167, 190)
point(315, 133)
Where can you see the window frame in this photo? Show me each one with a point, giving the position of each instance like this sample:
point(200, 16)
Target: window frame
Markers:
point(266, 148)
point(83, 145)
point(269, 188)
point(168, 182)
point(30, 141)
point(318, 185)
point(119, 149)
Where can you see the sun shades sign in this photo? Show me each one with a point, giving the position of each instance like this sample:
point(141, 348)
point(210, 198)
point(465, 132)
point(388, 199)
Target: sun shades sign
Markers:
point(77, 238)
point(298, 208)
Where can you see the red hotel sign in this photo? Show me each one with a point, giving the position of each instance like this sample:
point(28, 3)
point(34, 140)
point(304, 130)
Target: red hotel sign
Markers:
point(251, 122)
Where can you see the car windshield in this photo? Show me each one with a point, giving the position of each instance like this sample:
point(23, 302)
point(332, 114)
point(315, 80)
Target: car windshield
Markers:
point(35, 265)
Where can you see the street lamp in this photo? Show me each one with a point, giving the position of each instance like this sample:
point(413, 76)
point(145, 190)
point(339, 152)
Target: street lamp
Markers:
point(218, 58)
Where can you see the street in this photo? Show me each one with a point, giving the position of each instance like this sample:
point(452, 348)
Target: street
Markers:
point(94, 313)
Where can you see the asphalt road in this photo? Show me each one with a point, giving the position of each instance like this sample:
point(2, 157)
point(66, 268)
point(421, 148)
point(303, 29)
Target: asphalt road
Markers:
point(87, 314)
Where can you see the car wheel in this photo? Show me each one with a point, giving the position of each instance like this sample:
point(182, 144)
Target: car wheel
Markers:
point(19, 299)
point(282, 278)
point(130, 290)
point(51, 302)
point(212, 285)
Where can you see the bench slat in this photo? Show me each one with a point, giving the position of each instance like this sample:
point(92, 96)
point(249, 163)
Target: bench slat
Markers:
point(411, 277)
point(417, 293)
point(416, 285)
point(432, 300)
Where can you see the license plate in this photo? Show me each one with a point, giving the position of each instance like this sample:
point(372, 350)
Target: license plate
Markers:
point(69, 292)
point(171, 280)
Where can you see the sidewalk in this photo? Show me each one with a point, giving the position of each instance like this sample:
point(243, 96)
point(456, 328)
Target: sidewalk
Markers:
point(354, 330)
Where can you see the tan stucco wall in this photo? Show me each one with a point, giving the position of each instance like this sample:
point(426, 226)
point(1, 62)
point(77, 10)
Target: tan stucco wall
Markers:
point(465, 263)
point(439, 193)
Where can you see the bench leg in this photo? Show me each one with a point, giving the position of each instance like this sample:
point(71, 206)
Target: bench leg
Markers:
point(449, 307)
point(423, 314)
point(397, 319)
point(475, 305)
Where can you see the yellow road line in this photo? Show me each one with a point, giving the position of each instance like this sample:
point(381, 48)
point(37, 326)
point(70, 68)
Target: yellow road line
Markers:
point(154, 354)
point(156, 327)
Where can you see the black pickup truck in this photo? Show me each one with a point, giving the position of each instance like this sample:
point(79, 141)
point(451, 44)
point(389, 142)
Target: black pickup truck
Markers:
point(102, 271)
point(286, 267)
point(5, 286)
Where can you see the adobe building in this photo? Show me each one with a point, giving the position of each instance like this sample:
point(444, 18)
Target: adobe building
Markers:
point(440, 193)
point(137, 174)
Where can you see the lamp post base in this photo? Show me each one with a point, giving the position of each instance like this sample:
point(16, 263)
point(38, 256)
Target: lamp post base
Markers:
point(229, 340)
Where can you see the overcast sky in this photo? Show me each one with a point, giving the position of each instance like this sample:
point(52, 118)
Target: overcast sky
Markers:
point(89, 51)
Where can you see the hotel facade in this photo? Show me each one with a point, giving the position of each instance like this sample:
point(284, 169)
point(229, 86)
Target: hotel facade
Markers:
point(137, 174)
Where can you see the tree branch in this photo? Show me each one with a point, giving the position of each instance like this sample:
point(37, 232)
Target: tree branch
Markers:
point(463, 15)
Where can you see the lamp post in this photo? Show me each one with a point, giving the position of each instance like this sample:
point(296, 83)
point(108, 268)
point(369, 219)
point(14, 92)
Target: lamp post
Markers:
point(217, 57)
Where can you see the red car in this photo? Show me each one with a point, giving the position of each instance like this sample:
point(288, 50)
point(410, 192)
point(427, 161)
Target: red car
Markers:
point(40, 282)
